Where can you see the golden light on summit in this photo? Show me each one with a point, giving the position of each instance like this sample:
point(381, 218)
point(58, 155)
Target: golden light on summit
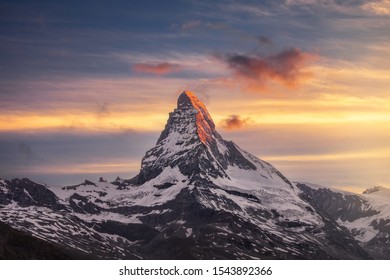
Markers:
point(204, 123)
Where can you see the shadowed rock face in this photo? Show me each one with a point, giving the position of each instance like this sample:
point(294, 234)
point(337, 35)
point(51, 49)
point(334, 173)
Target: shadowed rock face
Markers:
point(28, 193)
point(348, 209)
point(197, 196)
point(16, 245)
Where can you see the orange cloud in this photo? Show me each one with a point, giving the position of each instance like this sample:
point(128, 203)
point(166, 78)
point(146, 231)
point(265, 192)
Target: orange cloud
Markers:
point(381, 7)
point(287, 67)
point(233, 122)
point(158, 69)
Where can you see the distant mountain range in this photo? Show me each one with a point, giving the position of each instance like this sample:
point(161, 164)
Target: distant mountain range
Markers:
point(197, 196)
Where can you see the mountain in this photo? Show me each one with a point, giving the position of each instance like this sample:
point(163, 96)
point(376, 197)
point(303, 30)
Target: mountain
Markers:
point(197, 196)
point(15, 244)
point(365, 216)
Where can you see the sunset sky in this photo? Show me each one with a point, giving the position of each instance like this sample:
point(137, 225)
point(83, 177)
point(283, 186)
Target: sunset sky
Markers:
point(86, 86)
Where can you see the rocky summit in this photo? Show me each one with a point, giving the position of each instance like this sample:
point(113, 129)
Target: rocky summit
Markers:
point(197, 196)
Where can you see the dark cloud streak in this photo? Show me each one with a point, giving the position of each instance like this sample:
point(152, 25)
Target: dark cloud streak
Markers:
point(263, 40)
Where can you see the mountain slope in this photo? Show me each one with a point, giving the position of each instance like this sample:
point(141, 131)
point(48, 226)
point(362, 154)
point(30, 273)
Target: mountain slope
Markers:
point(366, 216)
point(197, 196)
point(16, 245)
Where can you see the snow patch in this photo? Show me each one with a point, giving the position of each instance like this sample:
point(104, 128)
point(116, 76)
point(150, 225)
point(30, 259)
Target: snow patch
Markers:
point(188, 232)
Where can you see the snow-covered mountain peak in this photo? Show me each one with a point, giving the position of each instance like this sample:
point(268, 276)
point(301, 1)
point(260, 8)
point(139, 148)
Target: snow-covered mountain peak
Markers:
point(188, 98)
point(189, 132)
point(190, 142)
point(194, 189)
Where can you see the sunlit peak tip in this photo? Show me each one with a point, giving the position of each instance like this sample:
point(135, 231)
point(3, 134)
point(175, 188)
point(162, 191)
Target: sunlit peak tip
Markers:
point(188, 93)
point(188, 99)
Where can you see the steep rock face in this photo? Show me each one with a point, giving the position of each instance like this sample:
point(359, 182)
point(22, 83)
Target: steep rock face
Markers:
point(339, 205)
point(28, 193)
point(197, 196)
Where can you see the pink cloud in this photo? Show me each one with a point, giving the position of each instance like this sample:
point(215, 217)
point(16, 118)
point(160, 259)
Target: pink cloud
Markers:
point(286, 67)
point(158, 69)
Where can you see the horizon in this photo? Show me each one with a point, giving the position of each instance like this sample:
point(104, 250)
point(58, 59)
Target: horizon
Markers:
point(86, 88)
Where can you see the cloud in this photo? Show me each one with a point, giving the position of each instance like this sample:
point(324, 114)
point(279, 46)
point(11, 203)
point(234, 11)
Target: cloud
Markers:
point(217, 25)
point(253, 10)
point(73, 153)
point(157, 69)
point(197, 24)
point(233, 122)
point(191, 24)
point(26, 151)
point(381, 7)
point(302, 2)
point(263, 40)
point(286, 67)
point(350, 7)
point(103, 110)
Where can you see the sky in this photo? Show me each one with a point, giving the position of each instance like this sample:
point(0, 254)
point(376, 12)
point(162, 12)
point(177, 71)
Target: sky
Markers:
point(86, 86)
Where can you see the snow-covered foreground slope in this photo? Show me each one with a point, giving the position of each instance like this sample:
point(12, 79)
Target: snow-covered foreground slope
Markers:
point(196, 196)
point(368, 228)
point(366, 215)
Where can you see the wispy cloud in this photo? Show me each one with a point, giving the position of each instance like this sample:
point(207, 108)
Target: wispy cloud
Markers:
point(349, 8)
point(254, 10)
point(196, 24)
point(301, 2)
point(191, 24)
point(197, 64)
point(157, 69)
